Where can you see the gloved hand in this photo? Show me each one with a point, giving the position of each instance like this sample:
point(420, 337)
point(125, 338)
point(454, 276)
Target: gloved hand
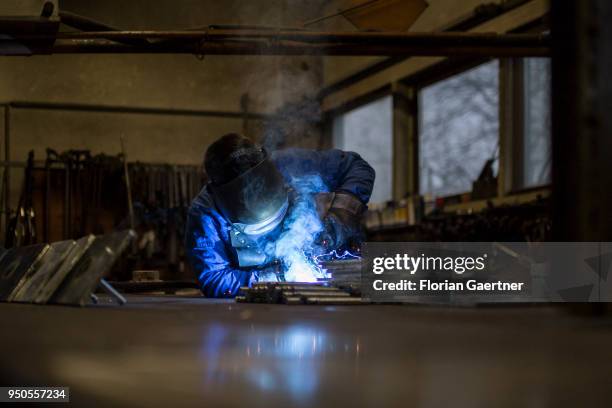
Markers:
point(342, 223)
point(273, 272)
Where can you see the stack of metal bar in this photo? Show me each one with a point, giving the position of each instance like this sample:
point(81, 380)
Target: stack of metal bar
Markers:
point(297, 293)
point(344, 274)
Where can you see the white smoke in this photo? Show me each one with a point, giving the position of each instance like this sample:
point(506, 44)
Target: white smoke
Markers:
point(302, 227)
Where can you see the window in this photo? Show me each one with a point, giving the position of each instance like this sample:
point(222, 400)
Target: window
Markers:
point(458, 130)
point(537, 126)
point(368, 130)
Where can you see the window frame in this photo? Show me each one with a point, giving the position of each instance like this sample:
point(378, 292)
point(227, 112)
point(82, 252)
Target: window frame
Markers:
point(377, 94)
point(358, 102)
point(514, 88)
point(511, 113)
point(436, 73)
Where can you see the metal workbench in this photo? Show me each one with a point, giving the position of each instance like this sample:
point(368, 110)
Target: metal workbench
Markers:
point(171, 351)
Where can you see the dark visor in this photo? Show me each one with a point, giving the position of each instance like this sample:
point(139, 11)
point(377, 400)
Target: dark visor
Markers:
point(253, 196)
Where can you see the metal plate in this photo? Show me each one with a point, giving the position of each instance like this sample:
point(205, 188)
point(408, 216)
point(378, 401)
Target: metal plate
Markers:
point(52, 281)
point(84, 277)
point(15, 265)
point(45, 267)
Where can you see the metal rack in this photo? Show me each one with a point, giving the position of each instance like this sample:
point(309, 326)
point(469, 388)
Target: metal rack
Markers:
point(7, 164)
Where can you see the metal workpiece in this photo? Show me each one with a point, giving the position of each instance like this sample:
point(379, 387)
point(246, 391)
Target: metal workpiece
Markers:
point(321, 293)
point(65, 272)
point(320, 300)
point(292, 286)
point(51, 281)
point(15, 267)
point(85, 276)
point(39, 275)
point(293, 300)
point(294, 293)
point(263, 295)
point(343, 266)
point(344, 274)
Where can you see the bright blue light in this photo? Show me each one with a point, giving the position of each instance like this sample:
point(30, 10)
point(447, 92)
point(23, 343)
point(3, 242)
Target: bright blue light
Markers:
point(302, 226)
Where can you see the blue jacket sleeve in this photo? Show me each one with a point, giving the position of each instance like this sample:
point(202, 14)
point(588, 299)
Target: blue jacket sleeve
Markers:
point(340, 170)
point(209, 258)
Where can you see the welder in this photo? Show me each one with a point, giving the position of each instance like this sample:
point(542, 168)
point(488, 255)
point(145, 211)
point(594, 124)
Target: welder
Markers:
point(249, 196)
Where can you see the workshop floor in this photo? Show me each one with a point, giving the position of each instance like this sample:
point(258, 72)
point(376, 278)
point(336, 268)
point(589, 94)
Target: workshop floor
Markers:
point(169, 351)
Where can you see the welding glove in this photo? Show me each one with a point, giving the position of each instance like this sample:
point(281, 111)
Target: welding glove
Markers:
point(273, 272)
point(342, 223)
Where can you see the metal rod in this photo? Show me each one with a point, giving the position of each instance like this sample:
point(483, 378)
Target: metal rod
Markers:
point(7, 169)
point(87, 24)
point(113, 292)
point(292, 48)
point(128, 187)
point(47, 206)
point(67, 198)
point(132, 109)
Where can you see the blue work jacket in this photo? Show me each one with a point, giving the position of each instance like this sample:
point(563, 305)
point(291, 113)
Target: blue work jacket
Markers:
point(207, 240)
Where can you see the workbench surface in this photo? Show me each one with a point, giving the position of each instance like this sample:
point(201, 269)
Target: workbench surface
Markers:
point(175, 351)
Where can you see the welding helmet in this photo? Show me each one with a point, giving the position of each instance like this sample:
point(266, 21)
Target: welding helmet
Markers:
point(256, 201)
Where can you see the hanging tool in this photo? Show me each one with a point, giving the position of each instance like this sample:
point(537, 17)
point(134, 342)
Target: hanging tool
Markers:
point(81, 158)
point(65, 158)
point(127, 183)
point(52, 157)
point(22, 227)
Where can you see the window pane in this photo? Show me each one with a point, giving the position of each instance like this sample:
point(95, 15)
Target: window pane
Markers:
point(537, 139)
point(458, 130)
point(368, 130)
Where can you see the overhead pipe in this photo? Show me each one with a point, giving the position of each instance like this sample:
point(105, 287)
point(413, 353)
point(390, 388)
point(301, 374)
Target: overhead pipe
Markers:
point(360, 37)
point(101, 46)
point(88, 24)
point(295, 42)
